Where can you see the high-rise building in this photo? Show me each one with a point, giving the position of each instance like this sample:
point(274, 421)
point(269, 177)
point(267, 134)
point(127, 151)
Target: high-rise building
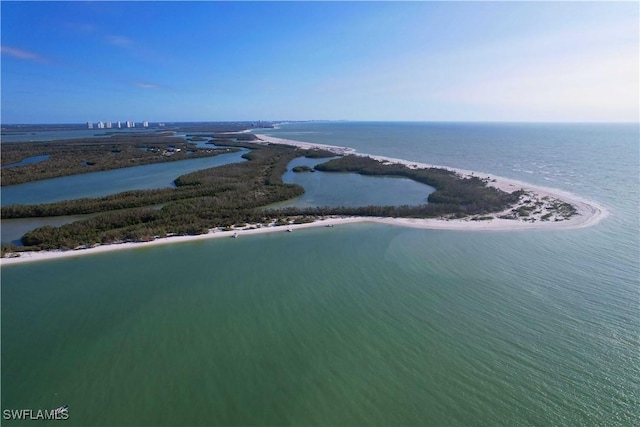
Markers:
point(100, 125)
point(89, 125)
point(108, 125)
point(145, 124)
point(119, 125)
point(130, 124)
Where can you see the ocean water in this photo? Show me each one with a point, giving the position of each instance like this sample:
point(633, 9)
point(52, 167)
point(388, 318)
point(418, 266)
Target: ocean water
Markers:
point(355, 325)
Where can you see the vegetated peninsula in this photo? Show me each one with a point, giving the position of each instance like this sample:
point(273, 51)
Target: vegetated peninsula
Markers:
point(234, 196)
point(77, 156)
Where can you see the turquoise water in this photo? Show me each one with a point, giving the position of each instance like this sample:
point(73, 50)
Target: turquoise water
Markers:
point(355, 325)
point(98, 184)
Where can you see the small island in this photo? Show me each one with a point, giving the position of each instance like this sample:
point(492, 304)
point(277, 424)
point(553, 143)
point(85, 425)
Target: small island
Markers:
point(299, 169)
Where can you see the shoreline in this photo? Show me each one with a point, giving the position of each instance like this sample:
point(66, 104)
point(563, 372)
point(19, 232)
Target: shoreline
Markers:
point(587, 214)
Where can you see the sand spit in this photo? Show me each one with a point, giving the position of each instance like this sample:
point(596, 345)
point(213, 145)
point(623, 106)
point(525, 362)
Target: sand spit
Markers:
point(541, 204)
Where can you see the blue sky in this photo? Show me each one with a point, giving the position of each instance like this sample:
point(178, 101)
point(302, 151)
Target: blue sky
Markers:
point(71, 62)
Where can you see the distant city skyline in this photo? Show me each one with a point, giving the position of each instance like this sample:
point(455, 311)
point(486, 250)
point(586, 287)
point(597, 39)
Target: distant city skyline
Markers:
point(108, 125)
point(70, 62)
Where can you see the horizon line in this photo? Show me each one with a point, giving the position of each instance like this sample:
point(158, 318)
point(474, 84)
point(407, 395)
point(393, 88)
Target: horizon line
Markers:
point(83, 123)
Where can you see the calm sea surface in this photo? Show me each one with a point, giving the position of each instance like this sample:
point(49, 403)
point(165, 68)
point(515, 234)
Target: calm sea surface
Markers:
point(361, 324)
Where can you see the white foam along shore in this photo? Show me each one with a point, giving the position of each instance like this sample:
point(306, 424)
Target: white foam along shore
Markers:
point(588, 213)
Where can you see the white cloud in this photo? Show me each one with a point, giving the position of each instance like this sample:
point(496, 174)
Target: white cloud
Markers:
point(567, 75)
point(22, 54)
point(588, 86)
point(119, 41)
point(143, 85)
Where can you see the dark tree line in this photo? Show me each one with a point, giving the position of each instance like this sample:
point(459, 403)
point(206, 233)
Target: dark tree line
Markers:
point(466, 196)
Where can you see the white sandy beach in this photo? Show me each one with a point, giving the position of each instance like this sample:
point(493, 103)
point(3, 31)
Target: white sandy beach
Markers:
point(588, 213)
